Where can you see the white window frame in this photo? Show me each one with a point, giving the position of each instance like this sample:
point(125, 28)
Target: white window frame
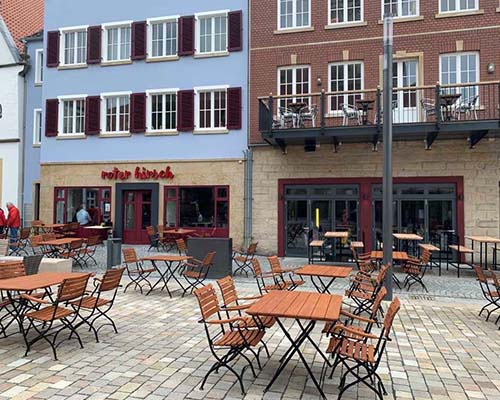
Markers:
point(197, 91)
point(104, 47)
point(459, 69)
point(149, 110)
point(294, 81)
point(104, 97)
point(150, 22)
point(62, 45)
point(400, 9)
point(338, 113)
point(294, 14)
point(60, 124)
point(458, 10)
point(38, 67)
point(362, 16)
point(210, 14)
point(37, 127)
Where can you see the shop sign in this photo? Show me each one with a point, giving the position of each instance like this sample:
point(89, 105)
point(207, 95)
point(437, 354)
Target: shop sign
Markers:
point(140, 173)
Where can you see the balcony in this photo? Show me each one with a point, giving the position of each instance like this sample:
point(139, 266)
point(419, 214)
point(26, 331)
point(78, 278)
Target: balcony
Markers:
point(426, 113)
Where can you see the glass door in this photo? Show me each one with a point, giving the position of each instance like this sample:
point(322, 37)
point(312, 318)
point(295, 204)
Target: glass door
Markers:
point(296, 227)
point(405, 75)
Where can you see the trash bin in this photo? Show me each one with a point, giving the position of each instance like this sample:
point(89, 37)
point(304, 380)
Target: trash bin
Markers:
point(114, 252)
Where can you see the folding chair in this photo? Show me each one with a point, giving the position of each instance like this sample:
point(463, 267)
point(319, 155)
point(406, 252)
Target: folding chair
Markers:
point(8, 270)
point(195, 272)
point(154, 239)
point(490, 291)
point(87, 253)
point(74, 251)
point(135, 270)
point(363, 290)
point(260, 277)
point(415, 269)
point(364, 261)
point(43, 321)
point(229, 336)
point(276, 268)
point(496, 283)
point(22, 242)
point(361, 357)
point(97, 303)
point(243, 259)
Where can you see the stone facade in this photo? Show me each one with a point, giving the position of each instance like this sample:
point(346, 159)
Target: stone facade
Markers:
point(479, 167)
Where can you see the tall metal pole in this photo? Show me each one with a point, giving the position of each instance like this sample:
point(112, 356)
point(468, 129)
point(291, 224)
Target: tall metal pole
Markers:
point(387, 160)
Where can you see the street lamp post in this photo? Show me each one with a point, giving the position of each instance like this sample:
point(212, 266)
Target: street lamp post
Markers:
point(387, 157)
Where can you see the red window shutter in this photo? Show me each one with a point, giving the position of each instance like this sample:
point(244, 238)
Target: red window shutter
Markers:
point(234, 108)
point(51, 117)
point(185, 110)
point(94, 45)
point(186, 36)
point(52, 49)
point(138, 113)
point(93, 115)
point(139, 33)
point(235, 24)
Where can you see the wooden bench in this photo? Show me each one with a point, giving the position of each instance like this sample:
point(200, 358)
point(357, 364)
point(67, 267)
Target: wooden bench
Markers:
point(316, 249)
point(461, 251)
point(357, 245)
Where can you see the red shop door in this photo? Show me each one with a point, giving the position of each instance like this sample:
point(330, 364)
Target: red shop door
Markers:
point(136, 216)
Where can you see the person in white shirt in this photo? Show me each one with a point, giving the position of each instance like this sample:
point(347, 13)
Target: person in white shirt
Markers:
point(83, 217)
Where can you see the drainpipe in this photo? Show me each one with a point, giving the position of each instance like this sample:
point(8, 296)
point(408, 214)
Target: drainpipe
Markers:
point(247, 197)
point(23, 73)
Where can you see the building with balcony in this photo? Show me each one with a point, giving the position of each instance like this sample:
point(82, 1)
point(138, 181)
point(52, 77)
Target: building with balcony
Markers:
point(144, 118)
point(316, 118)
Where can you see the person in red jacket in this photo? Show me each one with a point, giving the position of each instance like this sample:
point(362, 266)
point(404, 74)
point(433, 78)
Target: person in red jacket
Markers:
point(3, 222)
point(13, 221)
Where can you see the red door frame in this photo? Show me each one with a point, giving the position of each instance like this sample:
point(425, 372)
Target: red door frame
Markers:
point(139, 236)
point(365, 200)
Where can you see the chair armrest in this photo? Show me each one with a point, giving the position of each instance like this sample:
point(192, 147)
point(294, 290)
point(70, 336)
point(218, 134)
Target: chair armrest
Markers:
point(358, 317)
point(250, 297)
point(34, 299)
point(270, 275)
point(226, 321)
point(356, 332)
point(236, 308)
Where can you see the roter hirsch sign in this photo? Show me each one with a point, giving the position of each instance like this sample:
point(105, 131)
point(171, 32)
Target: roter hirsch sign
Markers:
point(141, 173)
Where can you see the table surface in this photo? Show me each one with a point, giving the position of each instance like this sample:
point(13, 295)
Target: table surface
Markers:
point(428, 246)
point(448, 99)
point(329, 271)
point(396, 255)
point(483, 239)
point(407, 236)
point(180, 231)
point(96, 227)
point(42, 280)
point(166, 258)
point(60, 242)
point(298, 305)
point(342, 235)
point(49, 226)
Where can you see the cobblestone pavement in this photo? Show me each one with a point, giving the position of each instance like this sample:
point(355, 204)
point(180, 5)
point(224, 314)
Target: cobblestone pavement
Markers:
point(440, 350)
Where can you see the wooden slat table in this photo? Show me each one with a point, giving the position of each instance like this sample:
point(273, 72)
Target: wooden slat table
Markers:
point(56, 244)
point(169, 272)
point(405, 239)
point(484, 241)
point(330, 272)
point(336, 237)
point(396, 255)
point(309, 306)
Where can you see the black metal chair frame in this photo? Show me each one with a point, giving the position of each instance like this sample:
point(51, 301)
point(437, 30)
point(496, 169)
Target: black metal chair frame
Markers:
point(200, 272)
point(372, 284)
point(88, 251)
point(455, 240)
point(415, 271)
point(243, 259)
point(138, 275)
point(488, 294)
point(22, 243)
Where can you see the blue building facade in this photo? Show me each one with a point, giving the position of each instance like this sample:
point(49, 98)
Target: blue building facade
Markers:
point(145, 114)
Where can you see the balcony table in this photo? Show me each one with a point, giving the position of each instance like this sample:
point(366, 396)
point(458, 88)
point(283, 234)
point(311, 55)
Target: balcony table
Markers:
point(169, 272)
point(295, 108)
point(447, 101)
point(365, 106)
point(330, 272)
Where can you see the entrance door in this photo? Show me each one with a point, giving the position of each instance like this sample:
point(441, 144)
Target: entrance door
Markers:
point(136, 216)
point(405, 101)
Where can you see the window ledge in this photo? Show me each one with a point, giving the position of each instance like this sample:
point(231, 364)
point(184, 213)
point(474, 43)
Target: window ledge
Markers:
point(294, 30)
point(498, 9)
point(160, 59)
point(70, 136)
point(397, 20)
point(36, 145)
point(114, 135)
point(346, 25)
point(459, 14)
point(119, 62)
point(38, 84)
point(208, 55)
point(72, 66)
point(210, 131)
point(162, 133)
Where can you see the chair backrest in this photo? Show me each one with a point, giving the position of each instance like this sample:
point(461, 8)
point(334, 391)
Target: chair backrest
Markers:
point(228, 290)
point(73, 288)
point(390, 315)
point(36, 223)
point(150, 231)
point(25, 233)
point(35, 240)
point(32, 263)
point(92, 241)
point(274, 262)
point(494, 276)
point(49, 236)
point(76, 244)
point(381, 274)
point(111, 279)
point(129, 255)
point(256, 267)
point(74, 226)
point(12, 269)
point(207, 300)
point(181, 246)
point(4, 247)
point(252, 248)
point(427, 104)
point(481, 277)
point(426, 257)
point(209, 259)
point(378, 302)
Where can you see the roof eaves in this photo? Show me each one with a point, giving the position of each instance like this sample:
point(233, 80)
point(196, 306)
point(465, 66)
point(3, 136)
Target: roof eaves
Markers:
point(11, 45)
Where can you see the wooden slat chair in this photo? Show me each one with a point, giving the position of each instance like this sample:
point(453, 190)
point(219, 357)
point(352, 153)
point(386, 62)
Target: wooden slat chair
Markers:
point(243, 259)
point(496, 283)
point(8, 270)
point(316, 251)
point(100, 301)
point(460, 253)
point(38, 248)
point(72, 229)
point(228, 339)
point(49, 250)
point(365, 354)
point(415, 269)
point(135, 269)
point(21, 244)
point(87, 253)
point(286, 275)
point(44, 320)
point(195, 271)
point(154, 239)
point(266, 281)
point(36, 226)
point(490, 291)
point(74, 252)
point(432, 249)
point(364, 261)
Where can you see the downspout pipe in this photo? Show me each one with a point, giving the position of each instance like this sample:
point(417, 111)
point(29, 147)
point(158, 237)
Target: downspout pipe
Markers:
point(248, 189)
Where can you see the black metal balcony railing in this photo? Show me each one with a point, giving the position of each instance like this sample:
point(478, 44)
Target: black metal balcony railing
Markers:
point(424, 105)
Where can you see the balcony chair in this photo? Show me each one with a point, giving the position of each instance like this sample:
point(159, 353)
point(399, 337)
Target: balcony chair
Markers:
point(308, 114)
point(351, 113)
point(468, 107)
point(20, 245)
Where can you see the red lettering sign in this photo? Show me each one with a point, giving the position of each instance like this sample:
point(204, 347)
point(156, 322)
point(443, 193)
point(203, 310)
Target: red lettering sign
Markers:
point(140, 173)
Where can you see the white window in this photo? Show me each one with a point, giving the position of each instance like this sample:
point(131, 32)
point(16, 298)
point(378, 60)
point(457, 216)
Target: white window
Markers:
point(460, 68)
point(344, 77)
point(458, 5)
point(294, 81)
point(401, 8)
point(345, 11)
point(117, 42)
point(294, 14)
point(211, 108)
point(72, 115)
point(39, 67)
point(37, 126)
point(162, 110)
point(116, 112)
point(162, 34)
point(211, 36)
point(74, 46)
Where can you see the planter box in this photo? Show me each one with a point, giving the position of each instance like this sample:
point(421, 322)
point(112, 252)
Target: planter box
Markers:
point(199, 247)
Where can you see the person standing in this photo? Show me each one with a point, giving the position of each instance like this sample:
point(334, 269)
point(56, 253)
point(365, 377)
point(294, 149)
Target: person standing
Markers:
point(13, 221)
point(83, 216)
point(3, 222)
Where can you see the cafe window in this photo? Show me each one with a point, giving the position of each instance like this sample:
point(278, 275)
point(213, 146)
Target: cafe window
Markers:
point(97, 201)
point(202, 207)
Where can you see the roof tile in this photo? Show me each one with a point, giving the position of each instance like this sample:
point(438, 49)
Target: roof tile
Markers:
point(23, 18)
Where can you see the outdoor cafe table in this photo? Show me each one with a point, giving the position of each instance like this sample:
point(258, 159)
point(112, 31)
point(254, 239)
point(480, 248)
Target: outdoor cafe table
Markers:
point(299, 306)
point(337, 237)
point(447, 100)
point(48, 227)
point(55, 243)
point(407, 238)
point(330, 272)
point(169, 272)
point(396, 255)
point(484, 241)
point(365, 105)
point(180, 233)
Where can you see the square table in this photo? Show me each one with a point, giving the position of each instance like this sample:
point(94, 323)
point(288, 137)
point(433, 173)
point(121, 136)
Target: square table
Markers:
point(330, 272)
point(169, 272)
point(337, 237)
point(299, 306)
point(55, 243)
point(407, 238)
point(483, 242)
point(396, 255)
